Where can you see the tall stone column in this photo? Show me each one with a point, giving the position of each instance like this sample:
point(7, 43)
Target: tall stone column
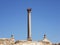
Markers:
point(29, 25)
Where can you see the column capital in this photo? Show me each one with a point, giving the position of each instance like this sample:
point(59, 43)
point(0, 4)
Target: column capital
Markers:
point(29, 10)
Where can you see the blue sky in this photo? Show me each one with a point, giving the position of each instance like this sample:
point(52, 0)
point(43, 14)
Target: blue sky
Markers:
point(45, 19)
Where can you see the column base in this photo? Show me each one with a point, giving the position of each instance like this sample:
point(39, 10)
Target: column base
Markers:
point(29, 39)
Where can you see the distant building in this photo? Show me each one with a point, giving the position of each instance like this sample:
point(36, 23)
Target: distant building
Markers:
point(29, 41)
